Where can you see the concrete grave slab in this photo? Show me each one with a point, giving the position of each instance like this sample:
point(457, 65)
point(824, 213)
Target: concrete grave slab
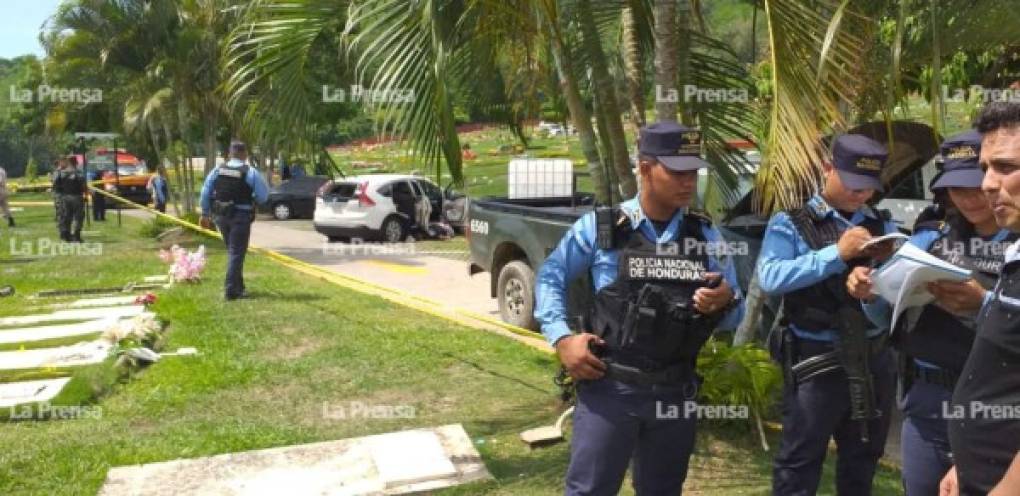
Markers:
point(29, 334)
point(350, 467)
point(115, 312)
point(74, 355)
point(415, 456)
point(107, 301)
point(162, 278)
point(17, 393)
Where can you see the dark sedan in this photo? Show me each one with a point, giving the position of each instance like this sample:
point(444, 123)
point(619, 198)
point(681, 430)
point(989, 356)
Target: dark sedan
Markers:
point(295, 198)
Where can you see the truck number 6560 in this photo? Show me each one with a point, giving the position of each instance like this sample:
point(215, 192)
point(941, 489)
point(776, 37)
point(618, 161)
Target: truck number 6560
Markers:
point(479, 226)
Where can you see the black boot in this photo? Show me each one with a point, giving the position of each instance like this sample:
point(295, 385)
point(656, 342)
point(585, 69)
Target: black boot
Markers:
point(10, 222)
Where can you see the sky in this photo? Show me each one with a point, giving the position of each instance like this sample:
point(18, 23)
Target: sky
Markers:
point(19, 26)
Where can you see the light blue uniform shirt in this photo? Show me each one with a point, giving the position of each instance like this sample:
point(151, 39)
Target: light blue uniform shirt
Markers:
point(259, 188)
point(787, 264)
point(880, 311)
point(578, 252)
point(157, 187)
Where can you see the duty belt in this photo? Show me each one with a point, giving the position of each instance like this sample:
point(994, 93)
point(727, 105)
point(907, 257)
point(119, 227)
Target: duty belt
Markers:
point(673, 374)
point(822, 363)
point(936, 376)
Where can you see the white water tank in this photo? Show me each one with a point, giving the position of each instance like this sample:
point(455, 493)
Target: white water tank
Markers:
point(540, 178)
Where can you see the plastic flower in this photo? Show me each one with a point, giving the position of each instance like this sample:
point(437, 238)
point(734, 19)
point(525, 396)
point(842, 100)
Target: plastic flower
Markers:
point(185, 266)
point(145, 299)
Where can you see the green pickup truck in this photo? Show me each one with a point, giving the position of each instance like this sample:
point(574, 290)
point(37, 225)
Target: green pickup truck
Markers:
point(510, 239)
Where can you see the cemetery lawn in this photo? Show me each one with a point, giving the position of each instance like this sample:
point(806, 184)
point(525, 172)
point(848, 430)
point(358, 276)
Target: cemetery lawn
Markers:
point(270, 365)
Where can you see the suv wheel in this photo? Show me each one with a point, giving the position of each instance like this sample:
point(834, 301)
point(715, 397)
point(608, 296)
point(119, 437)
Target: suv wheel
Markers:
point(515, 292)
point(281, 211)
point(393, 230)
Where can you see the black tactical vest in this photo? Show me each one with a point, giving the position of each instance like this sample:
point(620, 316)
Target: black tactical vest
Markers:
point(230, 185)
point(935, 335)
point(815, 307)
point(646, 315)
point(70, 182)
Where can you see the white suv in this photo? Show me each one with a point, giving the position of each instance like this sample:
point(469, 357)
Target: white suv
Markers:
point(365, 207)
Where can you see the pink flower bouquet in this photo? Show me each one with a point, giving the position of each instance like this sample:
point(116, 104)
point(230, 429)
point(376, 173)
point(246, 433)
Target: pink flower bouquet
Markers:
point(185, 266)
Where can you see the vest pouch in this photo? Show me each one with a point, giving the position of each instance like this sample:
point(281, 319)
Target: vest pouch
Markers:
point(223, 208)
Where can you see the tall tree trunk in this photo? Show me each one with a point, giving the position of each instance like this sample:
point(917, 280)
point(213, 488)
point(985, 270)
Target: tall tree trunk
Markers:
point(753, 303)
point(682, 49)
point(604, 90)
point(604, 147)
point(210, 142)
point(633, 61)
point(189, 172)
point(580, 117)
point(665, 59)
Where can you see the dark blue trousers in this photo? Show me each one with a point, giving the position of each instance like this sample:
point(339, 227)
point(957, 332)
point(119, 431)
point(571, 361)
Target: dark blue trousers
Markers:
point(236, 231)
point(925, 438)
point(818, 410)
point(615, 422)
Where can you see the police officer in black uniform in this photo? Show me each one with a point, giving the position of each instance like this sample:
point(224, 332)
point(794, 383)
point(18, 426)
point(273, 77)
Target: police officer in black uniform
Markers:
point(984, 425)
point(229, 194)
point(659, 292)
point(68, 190)
point(934, 340)
point(839, 374)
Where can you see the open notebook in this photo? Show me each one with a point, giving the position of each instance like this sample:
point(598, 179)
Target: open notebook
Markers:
point(903, 278)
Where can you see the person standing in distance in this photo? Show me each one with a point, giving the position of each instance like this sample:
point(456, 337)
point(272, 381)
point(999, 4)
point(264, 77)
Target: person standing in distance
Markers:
point(69, 188)
point(3, 198)
point(229, 195)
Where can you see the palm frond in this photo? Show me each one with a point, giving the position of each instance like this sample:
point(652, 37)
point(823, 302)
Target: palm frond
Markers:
point(813, 71)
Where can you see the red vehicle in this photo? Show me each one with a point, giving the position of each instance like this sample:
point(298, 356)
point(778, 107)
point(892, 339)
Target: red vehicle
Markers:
point(128, 180)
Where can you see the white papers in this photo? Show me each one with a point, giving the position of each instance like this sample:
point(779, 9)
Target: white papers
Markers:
point(896, 236)
point(903, 280)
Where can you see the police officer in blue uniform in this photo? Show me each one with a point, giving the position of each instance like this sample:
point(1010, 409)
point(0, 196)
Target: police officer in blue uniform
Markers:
point(229, 194)
point(838, 373)
point(934, 340)
point(660, 289)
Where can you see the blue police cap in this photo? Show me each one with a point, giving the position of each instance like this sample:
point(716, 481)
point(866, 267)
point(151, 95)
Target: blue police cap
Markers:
point(859, 161)
point(677, 147)
point(960, 167)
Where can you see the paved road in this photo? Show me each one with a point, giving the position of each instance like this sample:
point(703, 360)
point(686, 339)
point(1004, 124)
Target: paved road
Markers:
point(399, 266)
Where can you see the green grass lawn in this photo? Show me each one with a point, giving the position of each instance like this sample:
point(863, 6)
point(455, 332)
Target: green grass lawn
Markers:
point(269, 365)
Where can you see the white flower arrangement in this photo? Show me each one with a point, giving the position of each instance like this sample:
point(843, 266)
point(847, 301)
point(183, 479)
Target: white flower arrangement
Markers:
point(134, 332)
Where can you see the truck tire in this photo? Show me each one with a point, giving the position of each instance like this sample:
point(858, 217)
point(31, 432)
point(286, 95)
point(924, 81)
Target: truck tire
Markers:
point(515, 292)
